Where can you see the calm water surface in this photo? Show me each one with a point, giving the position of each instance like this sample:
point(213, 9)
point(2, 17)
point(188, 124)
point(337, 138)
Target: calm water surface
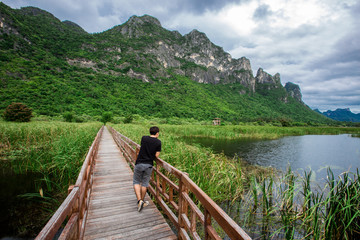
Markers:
point(12, 187)
point(310, 152)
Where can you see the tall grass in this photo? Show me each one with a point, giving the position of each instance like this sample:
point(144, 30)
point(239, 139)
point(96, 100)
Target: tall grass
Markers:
point(249, 131)
point(53, 149)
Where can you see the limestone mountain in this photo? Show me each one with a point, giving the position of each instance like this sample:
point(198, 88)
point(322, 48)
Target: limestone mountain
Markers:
point(138, 67)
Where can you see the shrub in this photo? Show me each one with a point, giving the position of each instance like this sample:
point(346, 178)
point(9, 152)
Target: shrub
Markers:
point(116, 120)
point(106, 117)
point(128, 119)
point(79, 119)
point(17, 112)
point(68, 116)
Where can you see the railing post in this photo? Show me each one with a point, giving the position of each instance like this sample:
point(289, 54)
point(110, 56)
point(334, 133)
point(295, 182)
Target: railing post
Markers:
point(180, 212)
point(137, 153)
point(183, 207)
point(79, 221)
point(157, 181)
point(207, 222)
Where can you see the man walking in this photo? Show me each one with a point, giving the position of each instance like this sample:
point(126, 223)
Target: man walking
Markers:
point(149, 150)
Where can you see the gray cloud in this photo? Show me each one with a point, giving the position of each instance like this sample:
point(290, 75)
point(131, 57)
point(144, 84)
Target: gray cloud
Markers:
point(200, 6)
point(262, 12)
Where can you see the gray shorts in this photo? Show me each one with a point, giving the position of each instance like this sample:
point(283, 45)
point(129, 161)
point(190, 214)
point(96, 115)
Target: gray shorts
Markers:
point(142, 174)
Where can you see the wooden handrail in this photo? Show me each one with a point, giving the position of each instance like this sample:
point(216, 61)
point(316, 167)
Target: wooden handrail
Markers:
point(76, 204)
point(170, 187)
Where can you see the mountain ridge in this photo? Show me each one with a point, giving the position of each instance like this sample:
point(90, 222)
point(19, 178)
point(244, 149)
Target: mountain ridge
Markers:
point(54, 67)
point(341, 114)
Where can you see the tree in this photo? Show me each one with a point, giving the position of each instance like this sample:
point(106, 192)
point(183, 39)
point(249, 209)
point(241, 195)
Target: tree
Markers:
point(68, 116)
point(106, 117)
point(17, 112)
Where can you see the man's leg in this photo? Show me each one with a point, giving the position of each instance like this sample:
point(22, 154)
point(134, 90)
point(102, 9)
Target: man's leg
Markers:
point(143, 192)
point(138, 191)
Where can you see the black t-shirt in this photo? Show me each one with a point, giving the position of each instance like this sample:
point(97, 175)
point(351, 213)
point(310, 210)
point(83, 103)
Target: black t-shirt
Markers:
point(149, 146)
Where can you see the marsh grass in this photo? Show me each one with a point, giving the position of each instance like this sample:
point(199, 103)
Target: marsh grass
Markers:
point(54, 149)
point(54, 152)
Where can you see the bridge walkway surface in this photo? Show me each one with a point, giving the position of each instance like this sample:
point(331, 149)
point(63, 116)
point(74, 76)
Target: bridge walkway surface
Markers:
point(112, 210)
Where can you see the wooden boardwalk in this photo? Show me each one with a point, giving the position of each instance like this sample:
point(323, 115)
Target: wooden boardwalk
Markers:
point(113, 211)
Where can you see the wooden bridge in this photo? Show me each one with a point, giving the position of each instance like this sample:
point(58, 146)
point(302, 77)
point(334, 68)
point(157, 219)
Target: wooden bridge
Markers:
point(102, 203)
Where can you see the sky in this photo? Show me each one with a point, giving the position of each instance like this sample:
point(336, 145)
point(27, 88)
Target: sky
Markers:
point(312, 43)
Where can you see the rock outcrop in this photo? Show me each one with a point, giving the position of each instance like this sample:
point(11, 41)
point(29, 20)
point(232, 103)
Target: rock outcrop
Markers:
point(195, 56)
point(294, 91)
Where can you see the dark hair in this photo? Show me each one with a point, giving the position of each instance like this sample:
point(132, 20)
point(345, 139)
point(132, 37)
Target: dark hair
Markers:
point(154, 130)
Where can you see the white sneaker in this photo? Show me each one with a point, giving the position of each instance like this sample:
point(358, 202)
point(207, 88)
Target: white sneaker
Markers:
point(140, 205)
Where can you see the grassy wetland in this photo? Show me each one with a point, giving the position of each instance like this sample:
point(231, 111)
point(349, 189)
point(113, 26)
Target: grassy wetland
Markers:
point(266, 202)
point(50, 155)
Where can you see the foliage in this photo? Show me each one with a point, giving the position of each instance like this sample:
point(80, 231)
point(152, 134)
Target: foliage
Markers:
point(17, 112)
point(129, 118)
point(106, 117)
point(68, 116)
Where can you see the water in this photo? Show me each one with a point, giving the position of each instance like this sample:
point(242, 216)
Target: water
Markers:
point(12, 205)
point(310, 152)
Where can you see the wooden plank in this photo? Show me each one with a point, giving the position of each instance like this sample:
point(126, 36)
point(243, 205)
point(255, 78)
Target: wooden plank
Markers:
point(112, 210)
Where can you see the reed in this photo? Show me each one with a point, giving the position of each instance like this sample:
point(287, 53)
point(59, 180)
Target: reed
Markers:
point(342, 219)
point(53, 149)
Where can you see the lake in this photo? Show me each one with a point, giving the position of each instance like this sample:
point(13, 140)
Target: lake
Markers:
point(310, 152)
point(12, 216)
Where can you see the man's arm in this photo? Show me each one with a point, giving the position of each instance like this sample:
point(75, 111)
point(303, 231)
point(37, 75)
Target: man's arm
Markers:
point(157, 154)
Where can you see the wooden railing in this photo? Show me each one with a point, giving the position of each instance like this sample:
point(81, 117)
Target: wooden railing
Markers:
point(76, 204)
point(189, 208)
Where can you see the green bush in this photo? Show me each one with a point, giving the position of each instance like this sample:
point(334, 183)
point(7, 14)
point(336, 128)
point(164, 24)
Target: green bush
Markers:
point(116, 120)
point(68, 116)
point(106, 117)
point(79, 119)
point(128, 119)
point(17, 112)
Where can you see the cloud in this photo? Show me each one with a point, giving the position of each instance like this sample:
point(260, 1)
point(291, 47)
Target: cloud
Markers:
point(262, 12)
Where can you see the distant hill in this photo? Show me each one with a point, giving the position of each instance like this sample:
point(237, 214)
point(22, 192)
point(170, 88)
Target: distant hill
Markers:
point(344, 115)
point(134, 68)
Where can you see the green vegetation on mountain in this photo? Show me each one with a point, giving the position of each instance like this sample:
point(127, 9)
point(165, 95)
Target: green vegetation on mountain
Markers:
point(344, 115)
point(56, 67)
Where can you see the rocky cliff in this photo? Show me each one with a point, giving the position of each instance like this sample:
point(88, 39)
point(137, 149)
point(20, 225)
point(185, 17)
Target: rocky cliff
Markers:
point(294, 91)
point(195, 56)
